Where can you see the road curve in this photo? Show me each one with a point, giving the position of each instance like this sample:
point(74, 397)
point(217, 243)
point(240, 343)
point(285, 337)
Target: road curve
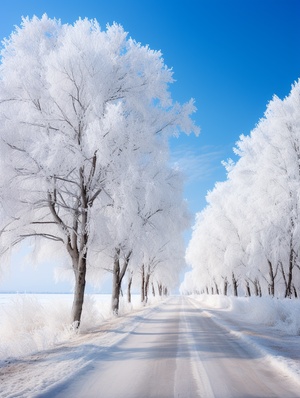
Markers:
point(179, 351)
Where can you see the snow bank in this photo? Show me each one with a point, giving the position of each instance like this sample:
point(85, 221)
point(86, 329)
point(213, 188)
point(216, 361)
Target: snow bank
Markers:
point(30, 323)
point(282, 314)
point(270, 326)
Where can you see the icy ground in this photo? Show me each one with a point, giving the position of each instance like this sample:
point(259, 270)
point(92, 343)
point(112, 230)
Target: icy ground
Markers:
point(181, 347)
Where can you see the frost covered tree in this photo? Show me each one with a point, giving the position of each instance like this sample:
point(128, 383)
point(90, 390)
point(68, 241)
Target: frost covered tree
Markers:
point(149, 217)
point(163, 247)
point(77, 104)
point(253, 217)
point(272, 154)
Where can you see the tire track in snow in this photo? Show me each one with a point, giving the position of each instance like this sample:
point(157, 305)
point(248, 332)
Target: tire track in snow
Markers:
point(183, 387)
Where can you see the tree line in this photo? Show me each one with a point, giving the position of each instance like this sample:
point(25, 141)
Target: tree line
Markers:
point(246, 240)
point(86, 115)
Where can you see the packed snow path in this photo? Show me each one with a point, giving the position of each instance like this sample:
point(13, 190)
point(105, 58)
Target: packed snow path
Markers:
point(175, 349)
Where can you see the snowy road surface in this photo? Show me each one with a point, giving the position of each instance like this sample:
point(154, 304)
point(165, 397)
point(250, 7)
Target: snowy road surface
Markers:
point(175, 349)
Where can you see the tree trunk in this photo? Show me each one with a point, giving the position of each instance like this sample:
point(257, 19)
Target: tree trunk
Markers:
point(118, 275)
point(77, 246)
point(259, 289)
point(289, 280)
point(146, 287)
point(216, 286)
point(80, 272)
point(153, 289)
point(129, 289)
point(143, 284)
point(225, 286)
point(235, 285)
point(248, 290)
point(159, 286)
point(283, 275)
point(295, 291)
point(255, 287)
point(115, 298)
point(272, 279)
point(77, 249)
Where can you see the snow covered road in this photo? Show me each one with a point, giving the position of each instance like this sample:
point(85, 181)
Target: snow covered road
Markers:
point(175, 349)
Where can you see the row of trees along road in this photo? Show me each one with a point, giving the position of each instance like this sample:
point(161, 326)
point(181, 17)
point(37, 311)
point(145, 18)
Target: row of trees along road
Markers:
point(85, 119)
point(247, 238)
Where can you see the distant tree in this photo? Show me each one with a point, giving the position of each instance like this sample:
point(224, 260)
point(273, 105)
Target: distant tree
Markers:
point(147, 223)
point(76, 104)
point(249, 232)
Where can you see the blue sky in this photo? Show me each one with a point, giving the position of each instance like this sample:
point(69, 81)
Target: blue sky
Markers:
point(231, 56)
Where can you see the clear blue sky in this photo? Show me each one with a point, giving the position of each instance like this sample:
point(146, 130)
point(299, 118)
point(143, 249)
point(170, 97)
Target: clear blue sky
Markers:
point(231, 56)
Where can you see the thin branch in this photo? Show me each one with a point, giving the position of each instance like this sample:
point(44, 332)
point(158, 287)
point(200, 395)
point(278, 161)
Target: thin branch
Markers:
point(43, 235)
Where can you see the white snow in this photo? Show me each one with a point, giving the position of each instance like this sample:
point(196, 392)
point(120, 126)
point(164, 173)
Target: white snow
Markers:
point(35, 322)
point(41, 357)
point(271, 326)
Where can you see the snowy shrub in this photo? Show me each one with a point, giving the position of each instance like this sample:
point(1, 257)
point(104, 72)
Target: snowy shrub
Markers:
point(281, 314)
point(93, 313)
point(27, 325)
point(30, 323)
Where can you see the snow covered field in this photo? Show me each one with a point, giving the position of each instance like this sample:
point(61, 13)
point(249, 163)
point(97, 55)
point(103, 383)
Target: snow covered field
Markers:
point(34, 322)
point(208, 346)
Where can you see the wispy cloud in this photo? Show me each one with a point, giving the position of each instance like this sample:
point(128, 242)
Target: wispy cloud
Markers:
point(198, 164)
